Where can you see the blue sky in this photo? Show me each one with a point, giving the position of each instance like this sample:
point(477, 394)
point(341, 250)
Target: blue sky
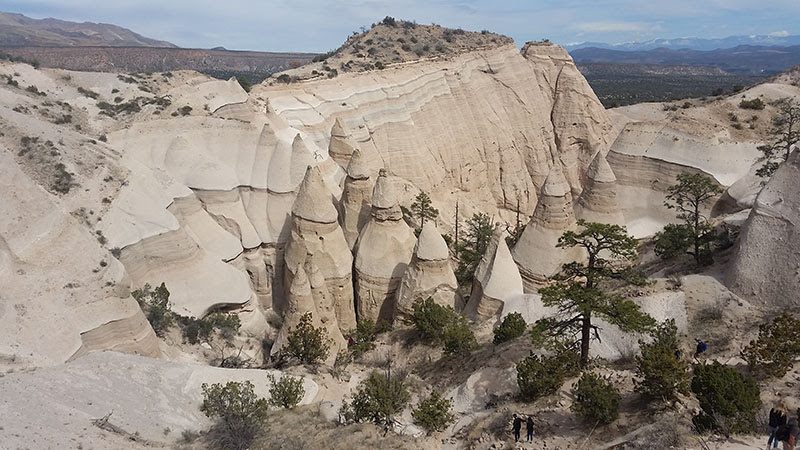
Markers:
point(314, 25)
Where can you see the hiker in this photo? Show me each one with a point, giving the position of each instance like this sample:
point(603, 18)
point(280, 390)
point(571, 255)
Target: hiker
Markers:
point(777, 419)
point(701, 348)
point(529, 428)
point(517, 427)
point(788, 434)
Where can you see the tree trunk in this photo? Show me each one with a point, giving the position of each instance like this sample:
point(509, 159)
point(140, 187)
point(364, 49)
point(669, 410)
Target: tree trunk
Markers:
point(697, 234)
point(586, 335)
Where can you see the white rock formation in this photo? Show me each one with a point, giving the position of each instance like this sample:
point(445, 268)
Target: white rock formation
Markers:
point(341, 146)
point(299, 301)
point(497, 279)
point(535, 253)
point(598, 201)
point(356, 198)
point(766, 265)
point(429, 274)
point(383, 252)
point(317, 237)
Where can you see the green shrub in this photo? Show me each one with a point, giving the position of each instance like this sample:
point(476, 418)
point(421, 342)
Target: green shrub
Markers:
point(284, 78)
point(458, 338)
point(202, 330)
point(661, 373)
point(363, 336)
point(512, 327)
point(244, 83)
point(429, 318)
point(156, 307)
point(728, 399)
point(773, 353)
point(755, 103)
point(539, 376)
point(434, 413)
point(240, 414)
point(378, 399)
point(596, 399)
point(287, 392)
point(88, 93)
point(306, 343)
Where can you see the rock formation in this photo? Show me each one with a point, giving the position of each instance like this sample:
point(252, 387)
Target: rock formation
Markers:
point(316, 235)
point(356, 198)
point(299, 301)
point(341, 146)
point(535, 252)
point(383, 252)
point(497, 278)
point(428, 275)
point(598, 201)
point(766, 266)
point(325, 305)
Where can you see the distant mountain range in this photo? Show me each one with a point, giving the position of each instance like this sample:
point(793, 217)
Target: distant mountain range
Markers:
point(693, 43)
point(743, 60)
point(17, 30)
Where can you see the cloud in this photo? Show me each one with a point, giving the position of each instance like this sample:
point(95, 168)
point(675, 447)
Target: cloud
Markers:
point(613, 27)
point(782, 33)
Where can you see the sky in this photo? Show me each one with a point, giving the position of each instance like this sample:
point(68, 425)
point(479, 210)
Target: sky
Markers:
point(318, 26)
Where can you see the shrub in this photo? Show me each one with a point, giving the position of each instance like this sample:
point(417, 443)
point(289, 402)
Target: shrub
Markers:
point(378, 399)
point(728, 399)
point(363, 336)
point(63, 180)
point(595, 399)
point(202, 330)
point(284, 78)
point(755, 103)
point(434, 413)
point(240, 414)
point(308, 344)
point(429, 318)
point(88, 93)
point(185, 110)
point(539, 376)
point(245, 83)
point(156, 307)
point(389, 21)
point(512, 327)
point(457, 337)
point(773, 353)
point(286, 392)
point(662, 374)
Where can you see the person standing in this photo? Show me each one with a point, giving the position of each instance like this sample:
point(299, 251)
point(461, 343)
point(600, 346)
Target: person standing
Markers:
point(788, 434)
point(517, 427)
point(529, 429)
point(777, 419)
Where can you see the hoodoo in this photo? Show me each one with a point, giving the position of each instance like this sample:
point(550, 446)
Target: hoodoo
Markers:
point(316, 235)
point(341, 146)
point(356, 198)
point(535, 252)
point(766, 264)
point(429, 274)
point(598, 201)
point(383, 252)
point(299, 301)
point(496, 279)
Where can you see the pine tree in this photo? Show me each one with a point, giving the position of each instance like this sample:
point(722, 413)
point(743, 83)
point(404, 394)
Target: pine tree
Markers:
point(785, 131)
point(423, 209)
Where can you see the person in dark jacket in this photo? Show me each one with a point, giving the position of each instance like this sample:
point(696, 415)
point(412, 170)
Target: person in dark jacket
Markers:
point(790, 431)
point(517, 427)
point(777, 418)
point(529, 429)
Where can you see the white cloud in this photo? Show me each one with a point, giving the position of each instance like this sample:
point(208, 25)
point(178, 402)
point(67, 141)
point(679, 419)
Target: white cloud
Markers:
point(782, 33)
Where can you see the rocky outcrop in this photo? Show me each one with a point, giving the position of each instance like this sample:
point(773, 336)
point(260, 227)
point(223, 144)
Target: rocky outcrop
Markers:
point(317, 237)
point(766, 266)
point(497, 279)
point(428, 275)
point(341, 146)
point(299, 301)
point(383, 252)
point(356, 198)
point(536, 253)
point(598, 201)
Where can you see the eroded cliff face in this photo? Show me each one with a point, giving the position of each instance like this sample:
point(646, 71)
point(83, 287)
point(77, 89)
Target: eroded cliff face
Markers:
point(206, 175)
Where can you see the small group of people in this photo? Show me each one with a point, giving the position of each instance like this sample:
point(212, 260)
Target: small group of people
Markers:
point(517, 427)
point(782, 428)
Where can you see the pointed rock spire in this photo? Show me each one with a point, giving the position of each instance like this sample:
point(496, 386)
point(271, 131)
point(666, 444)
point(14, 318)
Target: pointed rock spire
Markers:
point(341, 146)
point(357, 168)
point(313, 200)
point(356, 198)
point(598, 201)
point(428, 275)
point(496, 279)
point(301, 159)
point(384, 195)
